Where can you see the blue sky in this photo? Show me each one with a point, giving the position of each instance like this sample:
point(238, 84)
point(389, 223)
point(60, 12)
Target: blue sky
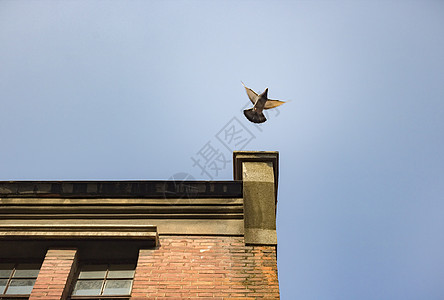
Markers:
point(138, 89)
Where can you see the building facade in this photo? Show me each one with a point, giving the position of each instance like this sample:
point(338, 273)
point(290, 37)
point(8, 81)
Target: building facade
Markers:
point(142, 239)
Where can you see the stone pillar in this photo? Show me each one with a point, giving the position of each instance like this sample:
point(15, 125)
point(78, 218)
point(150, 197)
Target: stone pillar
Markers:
point(259, 173)
point(56, 274)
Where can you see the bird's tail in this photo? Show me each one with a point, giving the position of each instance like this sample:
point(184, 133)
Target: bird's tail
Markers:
point(254, 116)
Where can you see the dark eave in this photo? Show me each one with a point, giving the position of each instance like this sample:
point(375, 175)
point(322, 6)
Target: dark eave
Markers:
point(121, 189)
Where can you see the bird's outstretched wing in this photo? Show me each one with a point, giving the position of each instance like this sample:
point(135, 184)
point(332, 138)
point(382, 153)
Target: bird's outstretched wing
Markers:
point(273, 103)
point(251, 94)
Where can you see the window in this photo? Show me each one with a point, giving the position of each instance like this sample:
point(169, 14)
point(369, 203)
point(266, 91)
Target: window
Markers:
point(17, 280)
point(111, 281)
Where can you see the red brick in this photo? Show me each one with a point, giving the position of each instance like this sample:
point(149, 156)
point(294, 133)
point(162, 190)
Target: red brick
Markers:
point(53, 276)
point(189, 267)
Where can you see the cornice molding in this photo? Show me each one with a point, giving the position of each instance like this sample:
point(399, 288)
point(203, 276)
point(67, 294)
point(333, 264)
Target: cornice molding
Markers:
point(78, 232)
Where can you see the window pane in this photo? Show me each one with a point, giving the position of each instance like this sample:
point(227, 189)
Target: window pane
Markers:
point(88, 288)
point(121, 271)
point(5, 270)
point(27, 271)
point(3, 285)
point(93, 272)
point(20, 286)
point(118, 287)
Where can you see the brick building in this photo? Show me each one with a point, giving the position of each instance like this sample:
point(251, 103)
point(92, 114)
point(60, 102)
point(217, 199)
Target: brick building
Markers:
point(142, 239)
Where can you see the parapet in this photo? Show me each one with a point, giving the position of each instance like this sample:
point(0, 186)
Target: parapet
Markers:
point(245, 206)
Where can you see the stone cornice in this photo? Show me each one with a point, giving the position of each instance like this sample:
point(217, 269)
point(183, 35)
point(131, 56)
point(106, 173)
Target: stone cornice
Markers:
point(121, 189)
point(78, 232)
point(244, 206)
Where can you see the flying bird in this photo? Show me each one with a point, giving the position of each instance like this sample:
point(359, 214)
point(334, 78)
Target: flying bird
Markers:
point(260, 103)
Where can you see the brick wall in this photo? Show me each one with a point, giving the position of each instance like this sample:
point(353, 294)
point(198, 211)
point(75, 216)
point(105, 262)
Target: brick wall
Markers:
point(55, 274)
point(190, 267)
